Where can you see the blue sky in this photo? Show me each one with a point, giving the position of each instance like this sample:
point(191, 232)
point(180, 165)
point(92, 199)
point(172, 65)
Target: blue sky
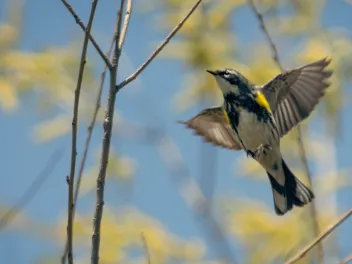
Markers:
point(48, 23)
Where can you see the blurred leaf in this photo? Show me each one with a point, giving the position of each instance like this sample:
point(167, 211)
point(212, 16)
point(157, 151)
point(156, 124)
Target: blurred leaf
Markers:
point(122, 232)
point(53, 128)
point(16, 219)
point(8, 97)
point(263, 233)
point(331, 182)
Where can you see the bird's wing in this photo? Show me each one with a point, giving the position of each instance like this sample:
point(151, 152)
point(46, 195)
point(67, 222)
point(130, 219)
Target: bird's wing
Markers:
point(213, 126)
point(292, 95)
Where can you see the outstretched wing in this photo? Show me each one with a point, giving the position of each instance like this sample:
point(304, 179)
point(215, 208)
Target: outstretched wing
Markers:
point(213, 126)
point(292, 95)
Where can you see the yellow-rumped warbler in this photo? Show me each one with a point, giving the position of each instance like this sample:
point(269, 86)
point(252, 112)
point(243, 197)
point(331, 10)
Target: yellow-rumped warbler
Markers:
point(254, 118)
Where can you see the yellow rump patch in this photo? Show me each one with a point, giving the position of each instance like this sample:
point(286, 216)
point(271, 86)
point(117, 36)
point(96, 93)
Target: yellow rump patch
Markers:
point(227, 117)
point(261, 100)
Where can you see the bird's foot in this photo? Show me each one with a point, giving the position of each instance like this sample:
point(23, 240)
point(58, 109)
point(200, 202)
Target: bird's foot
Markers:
point(261, 149)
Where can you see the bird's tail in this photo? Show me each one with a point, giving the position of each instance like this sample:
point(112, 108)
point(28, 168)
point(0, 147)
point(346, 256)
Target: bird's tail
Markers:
point(294, 192)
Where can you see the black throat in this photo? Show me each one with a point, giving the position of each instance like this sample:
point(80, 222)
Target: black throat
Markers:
point(234, 103)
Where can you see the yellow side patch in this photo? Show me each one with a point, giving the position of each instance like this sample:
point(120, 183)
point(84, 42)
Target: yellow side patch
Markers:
point(261, 100)
point(227, 117)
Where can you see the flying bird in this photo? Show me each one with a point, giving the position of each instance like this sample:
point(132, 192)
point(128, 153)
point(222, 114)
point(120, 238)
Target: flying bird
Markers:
point(254, 118)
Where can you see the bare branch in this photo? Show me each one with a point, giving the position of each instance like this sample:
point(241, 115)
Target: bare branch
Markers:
point(108, 124)
point(125, 24)
point(74, 130)
point(88, 139)
point(32, 190)
point(346, 260)
point(266, 33)
point(313, 210)
point(82, 26)
point(117, 53)
point(327, 232)
point(146, 249)
point(158, 49)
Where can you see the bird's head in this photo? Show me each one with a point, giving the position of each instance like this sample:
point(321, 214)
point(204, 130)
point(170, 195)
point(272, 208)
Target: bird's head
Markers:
point(231, 81)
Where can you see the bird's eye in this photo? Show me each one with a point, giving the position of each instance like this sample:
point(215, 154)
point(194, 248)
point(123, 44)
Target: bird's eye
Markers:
point(226, 74)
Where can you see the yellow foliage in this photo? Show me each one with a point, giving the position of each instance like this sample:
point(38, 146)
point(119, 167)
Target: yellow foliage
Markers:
point(336, 44)
point(332, 181)
point(122, 231)
point(12, 218)
point(52, 73)
point(8, 97)
point(52, 128)
point(8, 35)
point(261, 70)
point(266, 236)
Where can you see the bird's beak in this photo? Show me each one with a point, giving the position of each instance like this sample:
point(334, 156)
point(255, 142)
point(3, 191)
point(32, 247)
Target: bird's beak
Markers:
point(212, 72)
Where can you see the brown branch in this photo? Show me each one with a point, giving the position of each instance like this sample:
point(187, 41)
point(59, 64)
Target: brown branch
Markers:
point(88, 139)
point(71, 179)
point(82, 26)
point(266, 33)
point(125, 24)
point(327, 232)
point(346, 260)
point(146, 249)
point(158, 49)
point(108, 124)
point(117, 53)
point(32, 190)
point(313, 210)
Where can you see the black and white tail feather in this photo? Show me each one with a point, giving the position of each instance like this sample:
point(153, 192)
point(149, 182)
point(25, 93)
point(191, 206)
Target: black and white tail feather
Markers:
point(293, 192)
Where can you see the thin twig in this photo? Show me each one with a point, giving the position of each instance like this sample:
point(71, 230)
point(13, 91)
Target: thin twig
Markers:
point(32, 190)
point(125, 23)
point(117, 53)
point(158, 49)
point(313, 209)
point(71, 179)
point(188, 187)
point(80, 23)
point(266, 33)
point(88, 139)
point(346, 260)
point(108, 124)
point(331, 228)
point(146, 249)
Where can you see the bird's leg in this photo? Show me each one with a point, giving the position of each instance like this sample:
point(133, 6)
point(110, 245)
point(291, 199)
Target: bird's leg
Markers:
point(261, 149)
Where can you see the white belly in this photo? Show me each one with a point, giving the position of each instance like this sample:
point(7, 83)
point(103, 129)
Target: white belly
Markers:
point(253, 132)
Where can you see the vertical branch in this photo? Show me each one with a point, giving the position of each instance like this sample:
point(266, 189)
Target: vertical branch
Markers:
point(108, 121)
point(87, 142)
point(108, 124)
point(71, 179)
point(125, 23)
point(313, 210)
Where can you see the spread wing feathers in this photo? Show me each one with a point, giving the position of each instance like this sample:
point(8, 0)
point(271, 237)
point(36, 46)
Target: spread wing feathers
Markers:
point(213, 126)
point(292, 95)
